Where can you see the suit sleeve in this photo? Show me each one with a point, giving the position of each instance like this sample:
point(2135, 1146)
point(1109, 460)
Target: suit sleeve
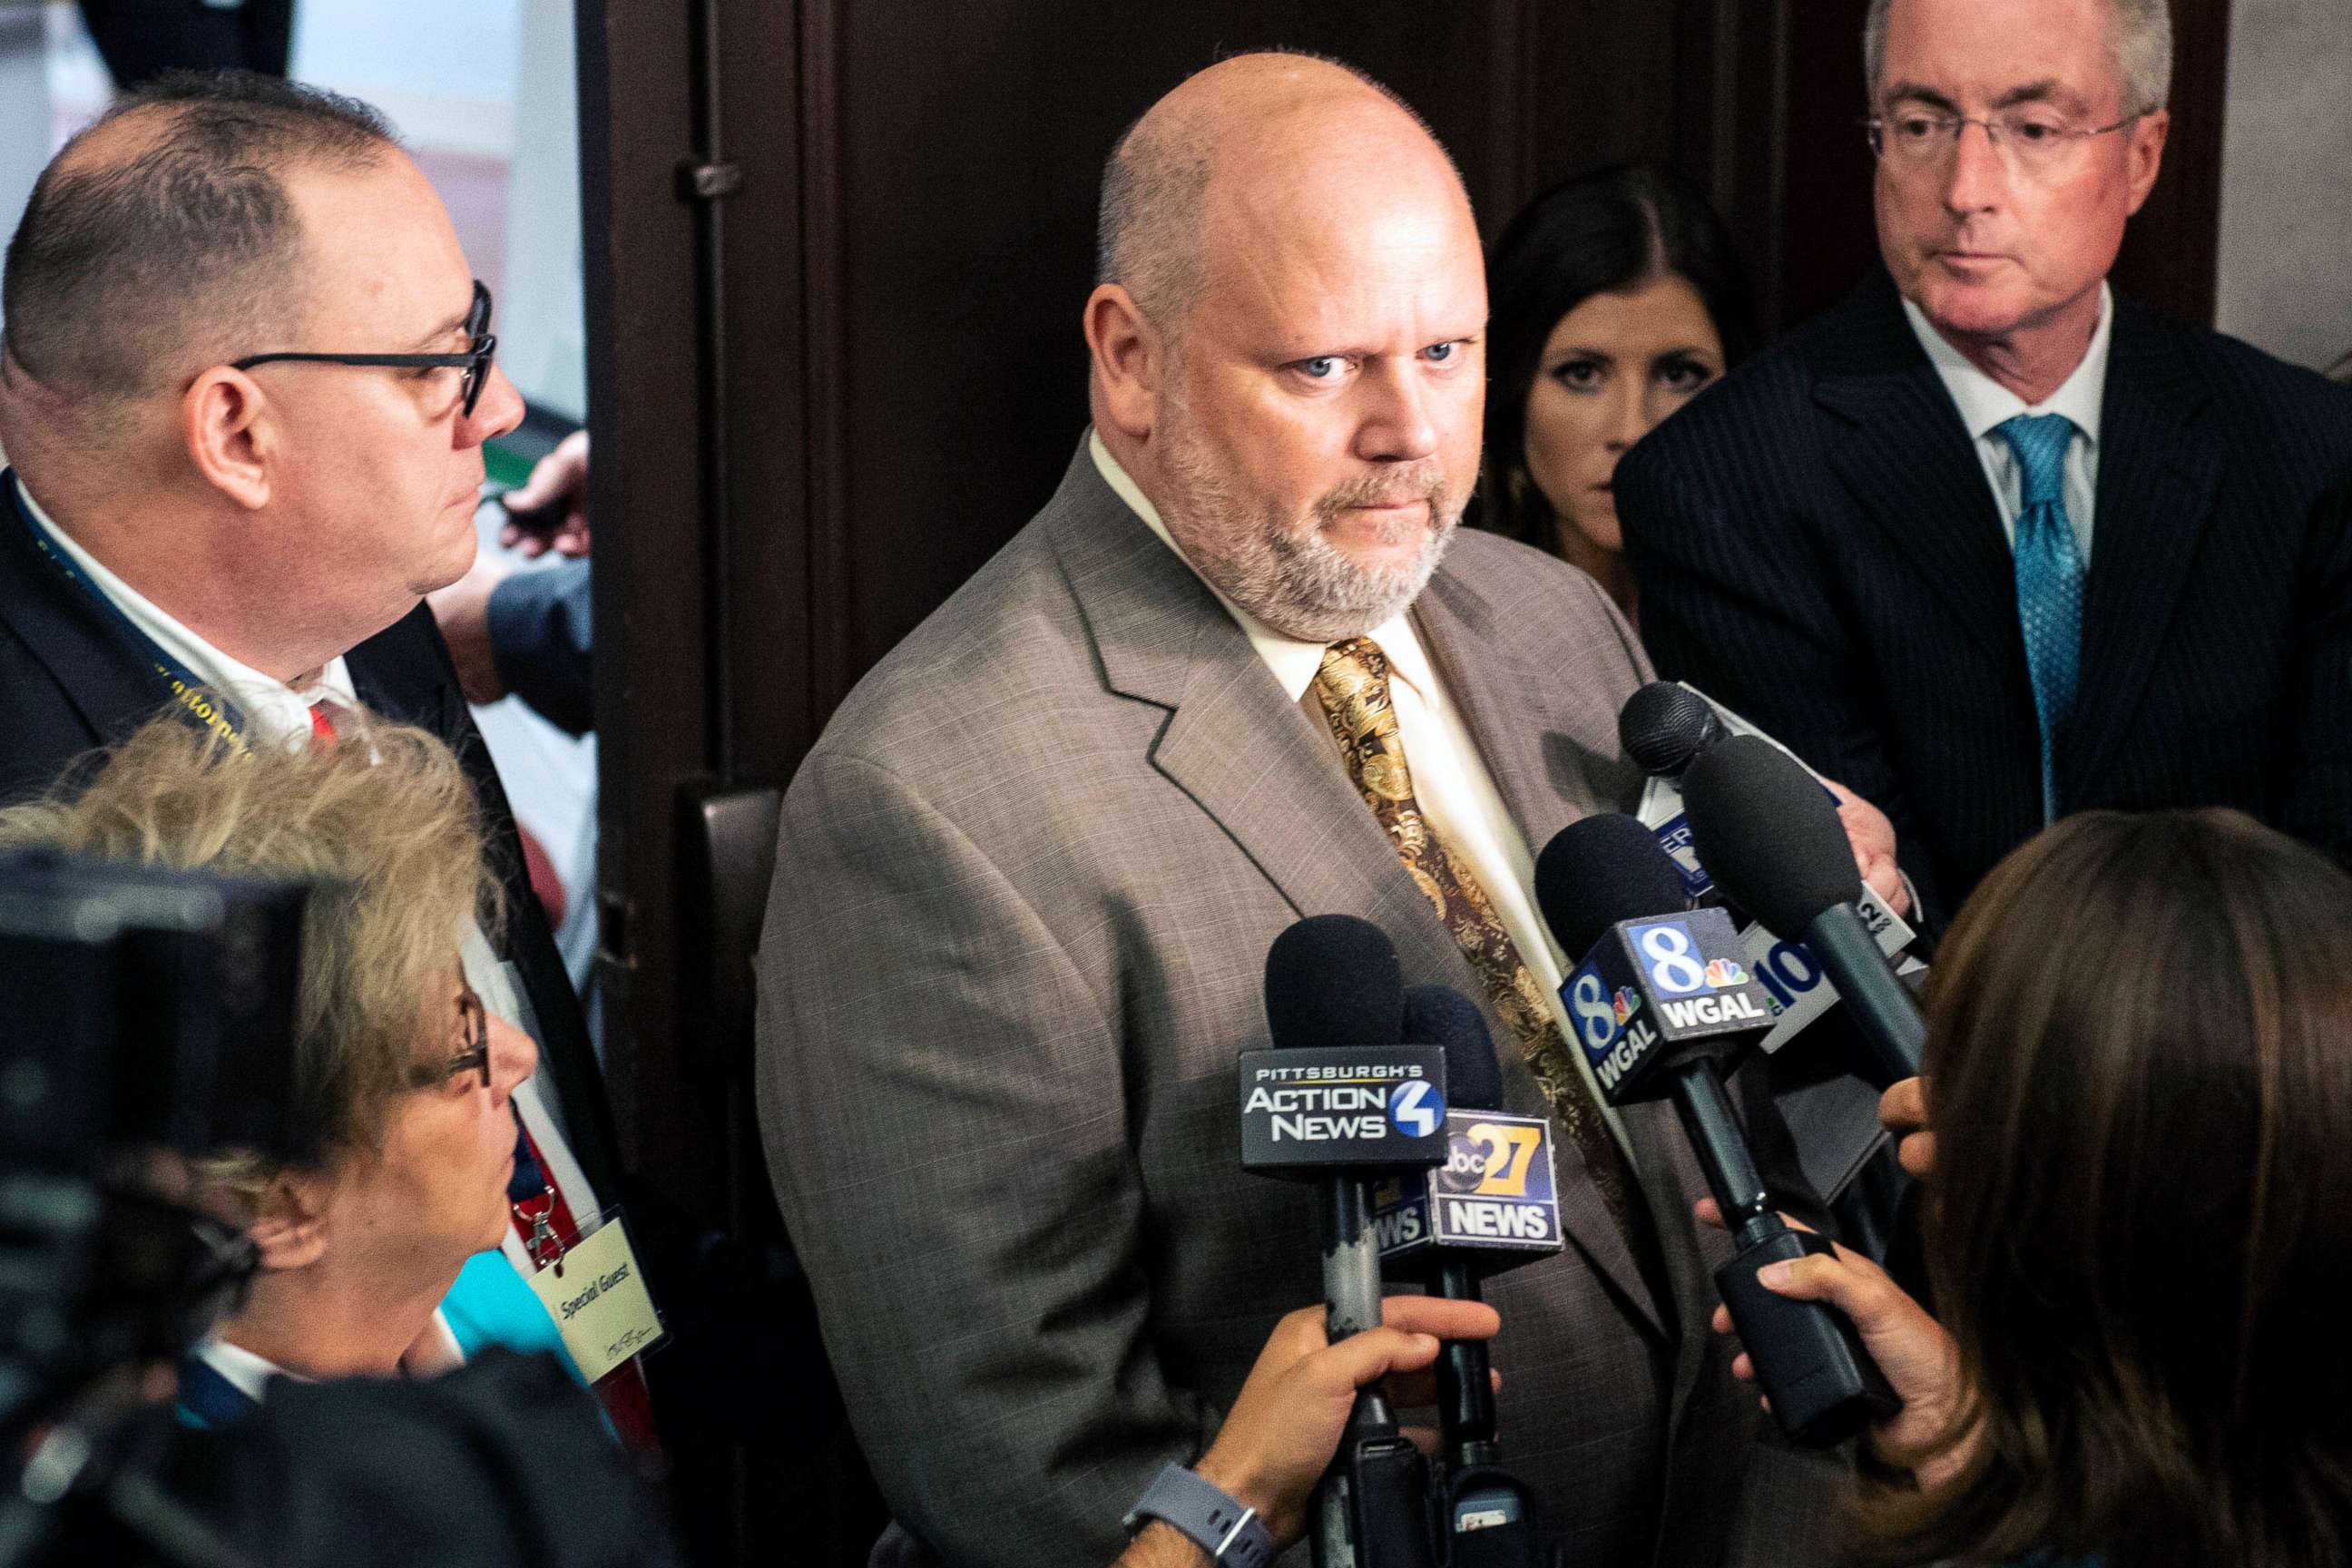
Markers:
point(540, 634)
point(1735, 602)
point(2318, 773)
point(942, 1101)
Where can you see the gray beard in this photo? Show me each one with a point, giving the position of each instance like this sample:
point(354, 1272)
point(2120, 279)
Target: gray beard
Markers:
point(1288, 575)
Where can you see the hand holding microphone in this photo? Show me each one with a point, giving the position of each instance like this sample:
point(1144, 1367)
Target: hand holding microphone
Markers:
point(1903, 1111)
point(1776, 847)
point(1920, 1360)
point(1341, 1101)
point(1284, 1426)
point(1666, 726)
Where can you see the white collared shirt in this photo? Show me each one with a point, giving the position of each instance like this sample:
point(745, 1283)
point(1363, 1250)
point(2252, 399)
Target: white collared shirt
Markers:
point(247, 1372)
point(1450, 779)
point(274, 711)
point(1984, 403)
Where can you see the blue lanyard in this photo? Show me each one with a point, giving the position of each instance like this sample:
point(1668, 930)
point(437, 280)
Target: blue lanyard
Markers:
point(210, 707)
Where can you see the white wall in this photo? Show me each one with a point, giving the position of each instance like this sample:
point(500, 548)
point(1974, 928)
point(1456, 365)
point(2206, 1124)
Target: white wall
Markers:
point(24, 108)
point(542, 341)
point(2286, 271)
point(443, 70)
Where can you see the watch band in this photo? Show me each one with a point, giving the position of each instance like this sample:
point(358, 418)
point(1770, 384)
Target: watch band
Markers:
point(1228, 1531)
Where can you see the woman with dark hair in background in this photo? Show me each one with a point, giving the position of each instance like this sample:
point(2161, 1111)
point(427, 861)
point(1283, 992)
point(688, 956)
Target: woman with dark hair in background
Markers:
point(1615, 298)
point(2138, 1224)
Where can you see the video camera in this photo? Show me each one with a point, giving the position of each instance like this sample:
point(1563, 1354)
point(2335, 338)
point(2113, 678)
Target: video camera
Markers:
point(147, 1018)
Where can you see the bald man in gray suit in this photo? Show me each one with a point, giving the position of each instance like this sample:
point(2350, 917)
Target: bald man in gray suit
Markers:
point(1240, 669)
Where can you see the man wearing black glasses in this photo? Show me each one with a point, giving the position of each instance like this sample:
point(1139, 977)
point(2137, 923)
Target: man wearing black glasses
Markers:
point(1991, 542)
point(246, 383)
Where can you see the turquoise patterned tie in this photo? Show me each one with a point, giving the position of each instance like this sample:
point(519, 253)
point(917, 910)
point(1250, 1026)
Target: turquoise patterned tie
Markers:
point(2049, 582)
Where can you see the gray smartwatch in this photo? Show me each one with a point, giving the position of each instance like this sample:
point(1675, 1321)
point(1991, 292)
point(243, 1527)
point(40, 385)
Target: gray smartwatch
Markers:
point(1219, 1524)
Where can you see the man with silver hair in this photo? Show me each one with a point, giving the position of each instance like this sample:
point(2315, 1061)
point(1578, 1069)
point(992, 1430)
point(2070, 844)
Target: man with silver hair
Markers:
point(1242, 667)
point(1988, 542)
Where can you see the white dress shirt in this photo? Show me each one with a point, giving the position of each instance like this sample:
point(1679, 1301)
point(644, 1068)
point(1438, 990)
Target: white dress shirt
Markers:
point(1450, 779)
point(274, 710)
point(1984, 403)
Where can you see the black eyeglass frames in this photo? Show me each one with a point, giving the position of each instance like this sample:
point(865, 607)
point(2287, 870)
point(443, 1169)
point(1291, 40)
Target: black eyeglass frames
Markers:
point(475, 361)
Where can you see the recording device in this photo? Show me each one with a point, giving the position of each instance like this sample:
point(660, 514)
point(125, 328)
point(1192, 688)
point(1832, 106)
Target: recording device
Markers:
point(1666, 727)
point(1342, 1101)
point(1826, 1086)
point(1777, 849)
point(1491, 1206)
point(1662, 1000)
point(146, 1015)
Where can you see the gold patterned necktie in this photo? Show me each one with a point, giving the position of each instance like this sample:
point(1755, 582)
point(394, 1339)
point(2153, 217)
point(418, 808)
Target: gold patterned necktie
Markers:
point(1353, 687)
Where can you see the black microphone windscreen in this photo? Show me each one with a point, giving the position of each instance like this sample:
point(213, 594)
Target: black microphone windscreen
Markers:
point(1333, 980)
point(1441, 1015)
point(1599, 870)
point(1663, 725)
point(1768, 834)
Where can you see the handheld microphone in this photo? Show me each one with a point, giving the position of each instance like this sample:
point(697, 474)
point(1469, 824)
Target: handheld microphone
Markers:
point(1662, 998)
point(1340, 1100)
point(1497, 1165)
point(1665, 725)
point(1777, 849)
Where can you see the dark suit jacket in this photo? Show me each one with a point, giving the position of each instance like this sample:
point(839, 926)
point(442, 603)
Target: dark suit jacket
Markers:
point(542, 629)
point(1818, 547)
point(1022, 900)
point(72, 678)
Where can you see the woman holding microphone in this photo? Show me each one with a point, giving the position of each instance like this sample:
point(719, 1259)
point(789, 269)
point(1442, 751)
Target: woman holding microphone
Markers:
point(2139, 1226)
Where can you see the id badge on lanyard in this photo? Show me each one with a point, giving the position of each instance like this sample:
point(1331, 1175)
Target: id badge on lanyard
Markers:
point(595, 1292)
point(590, 1281)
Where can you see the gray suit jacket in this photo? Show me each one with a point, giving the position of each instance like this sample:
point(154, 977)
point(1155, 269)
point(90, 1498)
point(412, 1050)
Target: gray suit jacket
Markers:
point(1025, 887)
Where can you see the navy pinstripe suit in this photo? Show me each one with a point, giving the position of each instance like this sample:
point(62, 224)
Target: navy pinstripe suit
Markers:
point(1818, 547)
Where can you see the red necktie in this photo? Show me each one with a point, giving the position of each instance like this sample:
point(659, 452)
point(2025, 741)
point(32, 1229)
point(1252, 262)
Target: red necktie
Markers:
point(623, 1390)
point(323, 723)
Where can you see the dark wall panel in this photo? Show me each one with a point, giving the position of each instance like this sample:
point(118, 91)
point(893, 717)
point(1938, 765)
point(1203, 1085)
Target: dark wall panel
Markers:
point(951, 232)
point(2171, 247)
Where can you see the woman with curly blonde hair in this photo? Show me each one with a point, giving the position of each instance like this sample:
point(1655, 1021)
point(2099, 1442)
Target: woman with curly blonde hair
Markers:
point(397, 1068)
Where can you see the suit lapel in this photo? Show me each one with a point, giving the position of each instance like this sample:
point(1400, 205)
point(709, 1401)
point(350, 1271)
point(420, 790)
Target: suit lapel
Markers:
point(1908, 464)
point(1547, 775)
point(399, 674)
point(1251, 759)
point(1270, 777)
point(2159, 470)
point(394, 686)
point(1522, 720)
point(100, 667)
